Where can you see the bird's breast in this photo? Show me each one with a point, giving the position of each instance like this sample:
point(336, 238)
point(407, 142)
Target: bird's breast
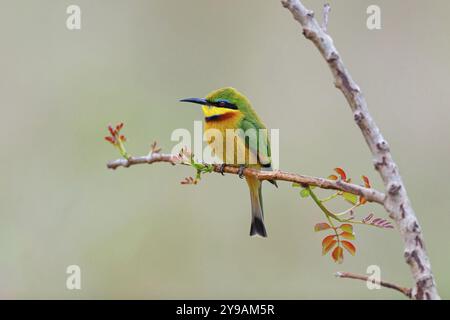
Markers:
point(229, 120)
point(234, 151)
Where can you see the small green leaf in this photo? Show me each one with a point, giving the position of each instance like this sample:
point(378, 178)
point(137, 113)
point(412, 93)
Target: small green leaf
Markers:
point(296, 185)
point(350, 197)
point(304, 193)
point(346, 227)
point(197, 166)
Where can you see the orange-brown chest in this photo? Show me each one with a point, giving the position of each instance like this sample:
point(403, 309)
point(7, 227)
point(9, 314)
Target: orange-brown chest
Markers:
point(222, 122)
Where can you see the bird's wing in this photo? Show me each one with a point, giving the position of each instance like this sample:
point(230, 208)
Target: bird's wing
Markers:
point(262, 147)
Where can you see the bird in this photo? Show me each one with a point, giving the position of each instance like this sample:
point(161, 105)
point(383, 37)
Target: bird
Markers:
point(226, 108)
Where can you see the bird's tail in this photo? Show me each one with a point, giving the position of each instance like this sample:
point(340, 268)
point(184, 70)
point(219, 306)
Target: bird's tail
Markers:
point(257, 227)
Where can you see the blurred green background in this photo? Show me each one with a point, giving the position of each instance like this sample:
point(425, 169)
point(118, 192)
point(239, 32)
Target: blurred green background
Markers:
point(137, 233)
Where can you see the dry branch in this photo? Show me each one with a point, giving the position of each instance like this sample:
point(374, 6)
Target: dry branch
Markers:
point(348, 275)
point(371, 195)
point(396, 203)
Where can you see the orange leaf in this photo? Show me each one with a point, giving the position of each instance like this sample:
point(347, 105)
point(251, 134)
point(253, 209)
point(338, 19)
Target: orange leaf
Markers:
point(342, 173)
point(366, 181)
point(348, 235)
point(327, 244)
point(338, 255)
point(346, 227)
point(329, 247)
point(327, 240)
point(349, 246)
point(333, 177)
point(362, 200)
point(321, 226)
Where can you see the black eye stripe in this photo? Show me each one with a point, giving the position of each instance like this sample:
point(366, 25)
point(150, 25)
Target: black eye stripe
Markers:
point(224, 104)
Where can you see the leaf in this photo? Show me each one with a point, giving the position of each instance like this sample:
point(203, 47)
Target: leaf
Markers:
point(368, 218)
point(349, 246)
point(346, 227)
point(362, 200)
point(333, 177)
point(304, 193)
point(328, 243)
point(387, 225)
point(366, 181)
point(296, 185)
point(350, 197)
point(321, 226)
point(376, 220)
point(189, 180)
point(197, 166)
point(341, 173)
point(329, 247)
point(338, 255)
point(348, 235)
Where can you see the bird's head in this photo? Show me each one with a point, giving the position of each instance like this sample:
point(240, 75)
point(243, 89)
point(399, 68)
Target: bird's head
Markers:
point(221, 101)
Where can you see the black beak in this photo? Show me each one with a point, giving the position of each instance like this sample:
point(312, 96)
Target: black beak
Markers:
point(196, 100)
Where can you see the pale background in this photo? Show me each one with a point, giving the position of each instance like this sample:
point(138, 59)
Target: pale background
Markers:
point(137, 233)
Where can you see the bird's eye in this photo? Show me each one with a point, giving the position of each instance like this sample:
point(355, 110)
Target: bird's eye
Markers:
point(221, 104)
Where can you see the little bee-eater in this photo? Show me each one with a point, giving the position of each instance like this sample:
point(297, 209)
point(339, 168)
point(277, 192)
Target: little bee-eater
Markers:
point(225, 109)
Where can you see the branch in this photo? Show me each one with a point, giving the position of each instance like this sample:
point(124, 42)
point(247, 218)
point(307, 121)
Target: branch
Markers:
point(326, 14)
point(396, 203)
point(371, 195)
point(348, 275)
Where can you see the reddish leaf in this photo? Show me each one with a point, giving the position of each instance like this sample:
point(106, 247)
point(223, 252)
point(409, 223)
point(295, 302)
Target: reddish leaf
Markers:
point(338, 254)
point(329, 247)
point(348, 235)
point(362, 200)
point(110, 139)
point(189, 180)
point(367, 219)
point(341, 173)
point(111, 130)
point(349, 246)
point(327, 244)
point(346, 227)
point(366, 182)
point(327, 240)
point(321, 226)
point(376, 220)
point(119, 126)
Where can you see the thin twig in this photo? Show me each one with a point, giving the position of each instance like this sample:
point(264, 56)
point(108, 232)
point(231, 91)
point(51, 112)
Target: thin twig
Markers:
point(397, 203)
point(326, 14)
point(371, 195)
point(348, 275)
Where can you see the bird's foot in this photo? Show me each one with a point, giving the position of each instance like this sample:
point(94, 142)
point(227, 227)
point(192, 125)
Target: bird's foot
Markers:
point(222, 168)
point(241, 171)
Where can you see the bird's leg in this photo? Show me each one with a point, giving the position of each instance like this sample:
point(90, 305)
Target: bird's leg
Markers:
point(222, 168)
point(241, 171)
